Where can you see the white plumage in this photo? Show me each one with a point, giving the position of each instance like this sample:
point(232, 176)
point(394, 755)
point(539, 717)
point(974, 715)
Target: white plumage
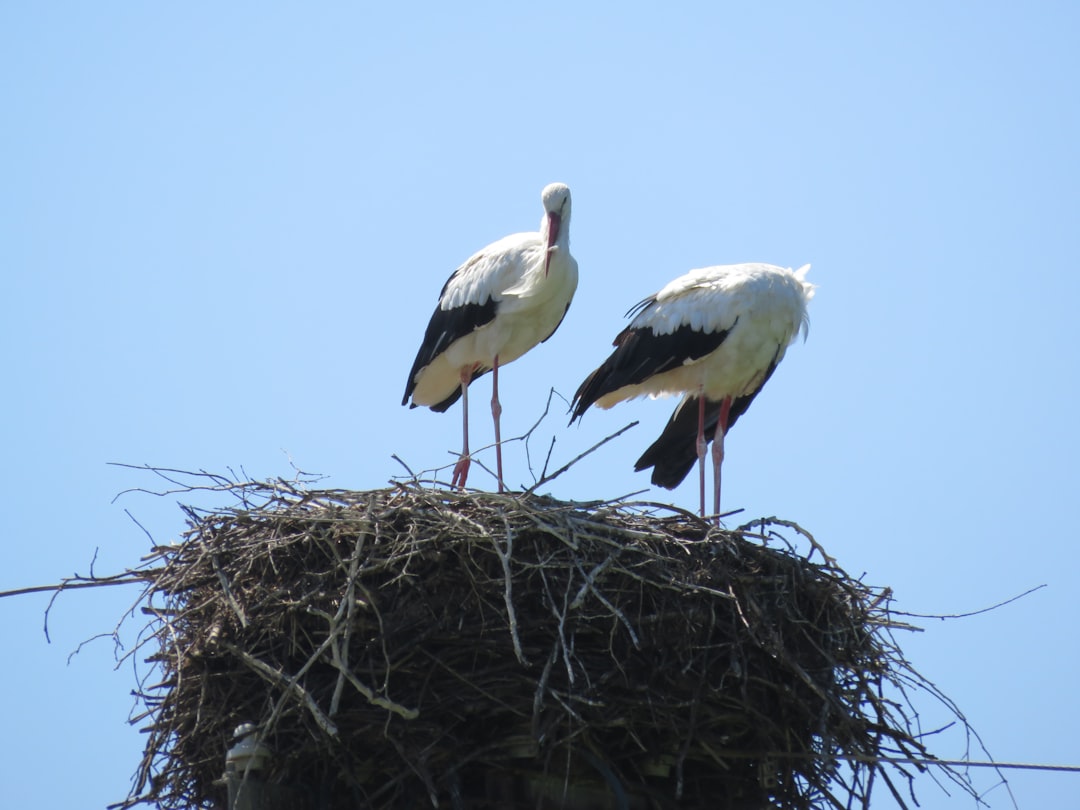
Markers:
point(503, 301)
point(715, 335)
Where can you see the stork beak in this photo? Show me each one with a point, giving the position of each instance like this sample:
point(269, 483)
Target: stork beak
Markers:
point(554, 222)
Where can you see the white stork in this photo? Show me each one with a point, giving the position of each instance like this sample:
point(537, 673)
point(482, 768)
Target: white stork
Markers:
point(500, 303)
point(716, 335)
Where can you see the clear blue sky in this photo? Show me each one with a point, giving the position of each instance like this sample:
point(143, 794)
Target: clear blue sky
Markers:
point(222, 232)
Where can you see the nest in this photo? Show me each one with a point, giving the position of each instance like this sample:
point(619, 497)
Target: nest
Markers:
point(416, 647)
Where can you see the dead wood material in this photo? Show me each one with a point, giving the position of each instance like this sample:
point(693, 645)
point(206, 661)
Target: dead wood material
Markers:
point(415, 647)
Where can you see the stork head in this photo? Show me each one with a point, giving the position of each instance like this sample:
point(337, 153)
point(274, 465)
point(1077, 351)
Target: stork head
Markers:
point(556, 199)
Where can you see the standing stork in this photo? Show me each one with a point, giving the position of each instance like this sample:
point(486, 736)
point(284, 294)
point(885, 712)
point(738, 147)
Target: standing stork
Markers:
point(501, 302)
point(715, 335)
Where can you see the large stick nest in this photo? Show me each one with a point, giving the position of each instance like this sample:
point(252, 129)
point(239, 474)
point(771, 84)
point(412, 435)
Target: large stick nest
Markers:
point(415, 647)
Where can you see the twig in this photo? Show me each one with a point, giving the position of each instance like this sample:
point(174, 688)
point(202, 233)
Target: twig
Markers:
point(508, 595)
point(408, 469)
point(548, 478)
point(790, 524)
point(76, 583)
point(944, 616)
point(225, 589)
point(279, 678)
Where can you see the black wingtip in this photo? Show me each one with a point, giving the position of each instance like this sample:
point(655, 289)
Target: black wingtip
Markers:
point(574, 415)
point(577, 410)
point(442, 407)
point(588, 392)
point(669, 469)
point(674, 452)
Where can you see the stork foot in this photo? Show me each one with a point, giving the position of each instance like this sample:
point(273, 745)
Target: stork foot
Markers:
point(461, 472)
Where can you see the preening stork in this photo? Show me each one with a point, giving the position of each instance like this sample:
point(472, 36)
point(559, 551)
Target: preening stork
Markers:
point(715, 335)
point(503, 301)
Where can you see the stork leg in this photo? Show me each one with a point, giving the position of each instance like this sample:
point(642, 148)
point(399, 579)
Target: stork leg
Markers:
point(701, 445)
point(496, 412)
point(718, 453)
point(461, 469)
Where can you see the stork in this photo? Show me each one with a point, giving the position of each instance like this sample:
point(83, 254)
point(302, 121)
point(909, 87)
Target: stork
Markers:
point(714, 335)
point(503, 301)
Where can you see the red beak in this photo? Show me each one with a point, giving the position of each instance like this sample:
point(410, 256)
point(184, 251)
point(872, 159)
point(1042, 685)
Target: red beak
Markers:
point(554, 222)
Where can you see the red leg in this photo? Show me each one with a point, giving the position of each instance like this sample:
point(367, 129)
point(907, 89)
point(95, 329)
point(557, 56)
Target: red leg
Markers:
point(461, 469)
point(701, 445)
point(496, 412)
point(718, 452)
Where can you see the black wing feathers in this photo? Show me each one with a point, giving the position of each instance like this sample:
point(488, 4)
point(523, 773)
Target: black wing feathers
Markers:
point(640, 354)
point(446, 326)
